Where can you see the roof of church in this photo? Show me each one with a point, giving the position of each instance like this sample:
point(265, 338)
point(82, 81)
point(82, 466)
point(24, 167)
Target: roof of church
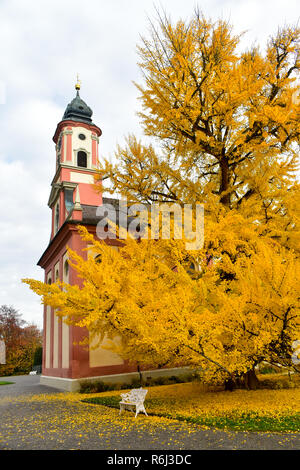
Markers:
point(89, 213)
point(78, 110)
point(90, 217)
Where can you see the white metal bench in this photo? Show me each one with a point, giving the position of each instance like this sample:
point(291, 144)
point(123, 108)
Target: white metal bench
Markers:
point(135, 397)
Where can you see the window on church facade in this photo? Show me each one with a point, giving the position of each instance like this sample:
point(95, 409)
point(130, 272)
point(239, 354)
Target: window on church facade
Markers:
point(59, 143)
point(58, 150)
point(82, 159)
point(69, 199)
point(66, 269)
point(56, 220)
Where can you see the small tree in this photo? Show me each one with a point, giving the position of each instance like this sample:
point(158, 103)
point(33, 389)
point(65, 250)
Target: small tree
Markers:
point(20, 339)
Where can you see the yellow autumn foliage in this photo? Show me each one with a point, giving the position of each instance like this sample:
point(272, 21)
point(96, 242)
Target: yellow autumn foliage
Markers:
point(224, 317)
point(224, 125)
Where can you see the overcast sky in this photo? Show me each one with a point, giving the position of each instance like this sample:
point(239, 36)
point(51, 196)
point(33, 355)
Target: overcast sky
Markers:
point(43, 44)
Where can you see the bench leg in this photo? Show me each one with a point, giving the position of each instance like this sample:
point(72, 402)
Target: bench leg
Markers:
point(139, 409)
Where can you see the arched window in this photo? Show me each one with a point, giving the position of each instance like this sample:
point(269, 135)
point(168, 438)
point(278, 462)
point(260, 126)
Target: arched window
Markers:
point(59, 143)
point(56, 217)
point(98, 259)
point(66, 269)
point(192, 269)
point(82, 159)
point(69, 204)
point(56, 275)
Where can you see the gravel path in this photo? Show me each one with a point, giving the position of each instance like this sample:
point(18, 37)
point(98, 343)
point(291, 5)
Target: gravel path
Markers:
point(36, 417)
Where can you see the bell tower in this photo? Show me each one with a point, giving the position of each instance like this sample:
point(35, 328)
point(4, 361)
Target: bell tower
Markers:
point(76, 143)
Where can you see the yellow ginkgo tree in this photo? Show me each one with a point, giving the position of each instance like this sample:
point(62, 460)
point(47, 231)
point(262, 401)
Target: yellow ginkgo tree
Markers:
point(225, 131)
point(166, 314)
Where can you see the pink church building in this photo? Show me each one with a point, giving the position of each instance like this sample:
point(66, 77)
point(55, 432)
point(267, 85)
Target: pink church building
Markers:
point(73, 201)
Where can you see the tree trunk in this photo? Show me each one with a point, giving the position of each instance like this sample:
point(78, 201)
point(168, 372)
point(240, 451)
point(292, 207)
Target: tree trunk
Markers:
point(247, 380)
point(250, 380)
point(224, 183)
point(140, 374)
point(229, 385)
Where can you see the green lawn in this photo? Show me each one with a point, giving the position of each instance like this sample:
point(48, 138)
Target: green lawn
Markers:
point(241, 410)
point(6, 383)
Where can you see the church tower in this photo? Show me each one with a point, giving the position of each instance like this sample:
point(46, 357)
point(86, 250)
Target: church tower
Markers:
point(76, 141)
point(73, 201)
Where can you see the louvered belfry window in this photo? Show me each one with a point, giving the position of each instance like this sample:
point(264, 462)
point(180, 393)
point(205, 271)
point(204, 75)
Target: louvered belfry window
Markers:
point(82, 159)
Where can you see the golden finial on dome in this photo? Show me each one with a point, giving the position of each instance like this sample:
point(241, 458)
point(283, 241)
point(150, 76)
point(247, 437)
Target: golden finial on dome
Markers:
point(78, 83)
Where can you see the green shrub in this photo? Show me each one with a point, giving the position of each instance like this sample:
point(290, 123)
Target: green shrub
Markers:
point(100, 386)
point(95, 387)
point(267, 370)
point(136, 383)
point(38, 356)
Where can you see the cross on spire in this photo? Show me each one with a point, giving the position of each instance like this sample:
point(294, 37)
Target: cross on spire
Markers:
point(78, 83)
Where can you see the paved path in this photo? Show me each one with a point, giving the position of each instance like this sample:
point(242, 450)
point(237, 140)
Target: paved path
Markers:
point(36, 417)
point(24, 385)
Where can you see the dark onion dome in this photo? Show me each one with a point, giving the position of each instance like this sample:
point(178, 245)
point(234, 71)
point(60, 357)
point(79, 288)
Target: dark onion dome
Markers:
point(78, 110)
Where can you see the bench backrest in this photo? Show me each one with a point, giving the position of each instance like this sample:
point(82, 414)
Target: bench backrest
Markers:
point(135, 395)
